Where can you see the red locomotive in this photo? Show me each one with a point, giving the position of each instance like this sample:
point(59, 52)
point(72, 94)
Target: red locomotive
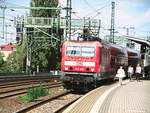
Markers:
point(85, 63)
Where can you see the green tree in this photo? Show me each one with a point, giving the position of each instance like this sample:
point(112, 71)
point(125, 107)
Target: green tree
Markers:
point(16, 62)
point(1, 59)
point(2, 68)
point(43, 12)
point(43, 53)
point(11, 63)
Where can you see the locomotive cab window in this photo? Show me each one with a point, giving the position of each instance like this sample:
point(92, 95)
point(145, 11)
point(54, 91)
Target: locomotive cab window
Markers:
point(73, 51)
point(87, 51)
point(1, 48)
point(80, 51)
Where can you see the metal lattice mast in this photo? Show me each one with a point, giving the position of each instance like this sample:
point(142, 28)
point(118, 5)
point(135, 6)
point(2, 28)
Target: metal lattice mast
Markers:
point(68, 21)
point(29, 55)
point(3, 20)
point(112, 29)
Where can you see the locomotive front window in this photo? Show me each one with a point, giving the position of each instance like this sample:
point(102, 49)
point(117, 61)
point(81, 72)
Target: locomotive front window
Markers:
point(80, 51)
point(73, 51)
point(87, 51)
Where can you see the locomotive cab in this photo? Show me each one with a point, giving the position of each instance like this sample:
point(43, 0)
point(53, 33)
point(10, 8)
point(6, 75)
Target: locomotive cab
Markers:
point(80, 62)
point(79, 57)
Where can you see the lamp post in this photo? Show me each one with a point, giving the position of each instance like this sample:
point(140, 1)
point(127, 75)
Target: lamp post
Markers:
point(128, 29)
point(129, 42)
point(6, 26)
point(3, 22)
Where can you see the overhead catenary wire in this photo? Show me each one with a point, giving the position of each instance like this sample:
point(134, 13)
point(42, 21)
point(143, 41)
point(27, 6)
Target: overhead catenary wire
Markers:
point(96, 15)
point(89, 5)
point(13, 4)
point(7, 32)
point(26, 7)
point(76, 15)
point(94, 9)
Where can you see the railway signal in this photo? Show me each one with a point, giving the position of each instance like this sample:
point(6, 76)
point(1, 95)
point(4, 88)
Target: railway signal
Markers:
point(143, 51)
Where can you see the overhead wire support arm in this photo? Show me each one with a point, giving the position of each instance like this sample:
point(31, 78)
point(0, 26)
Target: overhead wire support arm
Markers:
point(3, 22)
point(112, 29)
point(24, 7)
point(68, 20)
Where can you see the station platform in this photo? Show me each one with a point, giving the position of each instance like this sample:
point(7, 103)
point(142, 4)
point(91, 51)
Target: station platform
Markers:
point(131, 97)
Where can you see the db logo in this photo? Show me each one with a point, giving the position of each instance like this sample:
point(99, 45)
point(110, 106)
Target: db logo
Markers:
point(79, 64)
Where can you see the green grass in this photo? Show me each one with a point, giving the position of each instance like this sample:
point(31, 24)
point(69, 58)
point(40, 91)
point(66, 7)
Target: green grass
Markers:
point(37, 92)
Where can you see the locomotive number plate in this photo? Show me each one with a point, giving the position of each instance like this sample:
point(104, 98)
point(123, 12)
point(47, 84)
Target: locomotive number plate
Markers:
point(79, 63)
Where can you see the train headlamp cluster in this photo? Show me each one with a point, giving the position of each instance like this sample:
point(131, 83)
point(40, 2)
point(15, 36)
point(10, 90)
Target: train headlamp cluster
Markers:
point(75, 63)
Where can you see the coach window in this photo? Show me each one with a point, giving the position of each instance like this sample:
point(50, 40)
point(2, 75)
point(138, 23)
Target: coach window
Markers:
point(112, 60)
point(100, 55)
point(118, 60)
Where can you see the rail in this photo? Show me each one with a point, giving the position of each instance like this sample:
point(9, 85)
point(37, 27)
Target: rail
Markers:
point(28, 108)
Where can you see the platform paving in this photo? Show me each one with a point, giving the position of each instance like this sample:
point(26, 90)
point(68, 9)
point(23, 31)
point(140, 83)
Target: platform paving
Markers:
point(132, 97)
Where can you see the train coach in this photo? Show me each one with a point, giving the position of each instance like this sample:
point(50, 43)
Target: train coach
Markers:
point(118, 57)
point(133, 57)
point(86, 63)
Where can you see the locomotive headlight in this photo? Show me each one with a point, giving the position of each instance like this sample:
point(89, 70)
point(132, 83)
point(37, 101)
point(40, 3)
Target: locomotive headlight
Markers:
point(70, 63)
point(66, 68)
point(92, 69)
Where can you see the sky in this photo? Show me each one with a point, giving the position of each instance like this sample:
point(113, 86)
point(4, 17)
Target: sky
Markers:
point(128, 14)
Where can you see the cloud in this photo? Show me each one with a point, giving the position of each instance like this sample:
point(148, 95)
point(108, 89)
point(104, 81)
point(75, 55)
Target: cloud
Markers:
point(143, 19)
point(127, 13)
point(129, 4)
point(62, 2)
point(124, 19)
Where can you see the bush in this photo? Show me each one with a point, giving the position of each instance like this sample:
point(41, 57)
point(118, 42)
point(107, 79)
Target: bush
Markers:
point(37, 92)
point(34, 93)
point(25, 99)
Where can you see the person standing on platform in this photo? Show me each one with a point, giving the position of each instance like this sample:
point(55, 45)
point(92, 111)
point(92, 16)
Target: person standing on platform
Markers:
point(138, 72)
point(120, 74)
point(130, 72)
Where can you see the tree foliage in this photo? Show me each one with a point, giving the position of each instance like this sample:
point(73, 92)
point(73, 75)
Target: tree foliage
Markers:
point(43, 12)
point(44, 55)
point(16, 62)
point(1, 59)
point(2, 68)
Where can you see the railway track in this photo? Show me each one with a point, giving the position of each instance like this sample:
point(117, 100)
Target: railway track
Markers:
point(66, 105)
point(15, 84)
point(13, 79)
point(20, 91)
point(10, 87)
point(35, 107)
point(59, 100)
